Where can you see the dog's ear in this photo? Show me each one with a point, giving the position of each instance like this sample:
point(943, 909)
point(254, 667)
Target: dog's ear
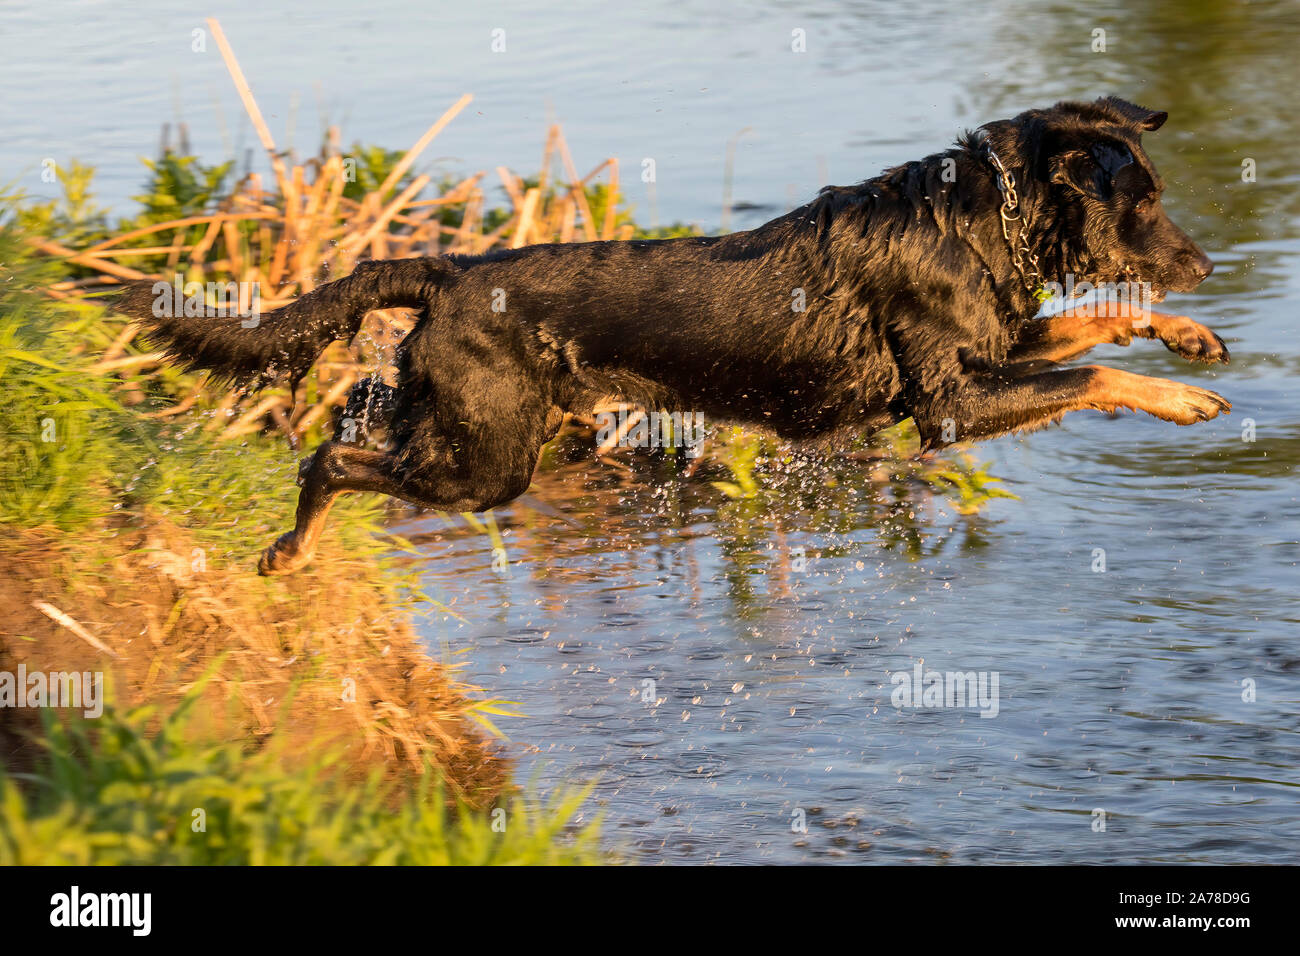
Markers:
point(1091, 171)
point(1076, 169)
point(1154, 120)
point(1141, 117)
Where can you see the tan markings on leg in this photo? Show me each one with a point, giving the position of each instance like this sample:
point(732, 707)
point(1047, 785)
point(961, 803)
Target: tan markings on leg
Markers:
point(1164, 398)
point(1073, 333)
point(294, 549)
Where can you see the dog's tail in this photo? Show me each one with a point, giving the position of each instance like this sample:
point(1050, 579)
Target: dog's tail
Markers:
point(255, 349)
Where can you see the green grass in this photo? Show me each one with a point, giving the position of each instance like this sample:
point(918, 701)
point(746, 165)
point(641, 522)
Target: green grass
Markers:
point(65, 430)
point(955, 475)
point(968, 486)
point(134, 789)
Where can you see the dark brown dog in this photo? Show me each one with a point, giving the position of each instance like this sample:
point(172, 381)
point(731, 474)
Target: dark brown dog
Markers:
point(913, 294)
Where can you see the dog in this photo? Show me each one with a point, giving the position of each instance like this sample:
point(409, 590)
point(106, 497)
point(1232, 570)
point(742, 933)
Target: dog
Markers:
point(914, 294)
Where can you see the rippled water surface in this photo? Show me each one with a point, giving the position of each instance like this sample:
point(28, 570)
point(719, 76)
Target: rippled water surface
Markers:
point(669, 641)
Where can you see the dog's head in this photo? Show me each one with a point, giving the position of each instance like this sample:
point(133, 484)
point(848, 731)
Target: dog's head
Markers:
point(1090, 156)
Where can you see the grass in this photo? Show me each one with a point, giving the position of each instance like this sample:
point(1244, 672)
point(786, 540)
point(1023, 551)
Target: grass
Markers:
point(132, 789)
point(80, 453)
point(967, 486)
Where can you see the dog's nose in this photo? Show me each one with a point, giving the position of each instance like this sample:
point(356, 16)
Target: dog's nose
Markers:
point(1203, 265)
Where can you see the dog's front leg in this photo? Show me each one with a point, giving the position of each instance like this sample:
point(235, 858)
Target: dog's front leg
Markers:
point(1060, 338)
point(1019, 397)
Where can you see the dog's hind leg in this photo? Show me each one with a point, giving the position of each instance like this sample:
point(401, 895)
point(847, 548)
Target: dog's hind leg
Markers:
point(336, 468)
point(468, 423)
point(332, 469)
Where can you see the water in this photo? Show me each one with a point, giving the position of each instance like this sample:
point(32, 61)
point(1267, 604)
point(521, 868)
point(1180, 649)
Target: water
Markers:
point(1120, 691)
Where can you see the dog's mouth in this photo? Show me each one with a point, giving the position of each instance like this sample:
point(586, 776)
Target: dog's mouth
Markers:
point(1137, 287)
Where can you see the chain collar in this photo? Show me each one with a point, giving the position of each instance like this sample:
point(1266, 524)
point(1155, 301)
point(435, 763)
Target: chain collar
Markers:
point(1022, 257)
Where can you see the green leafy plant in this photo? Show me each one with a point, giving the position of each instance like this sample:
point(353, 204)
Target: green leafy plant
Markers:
point(180, 186)
point(967, 485)
point(73, 218)
point(63, 427)
point(369, 167)
point(139, 788)
point(739, 451)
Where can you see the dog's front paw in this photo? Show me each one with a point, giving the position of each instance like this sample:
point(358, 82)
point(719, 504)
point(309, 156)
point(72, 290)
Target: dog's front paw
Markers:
point(1185, 404)
point(1191, 340)
point(283, 557)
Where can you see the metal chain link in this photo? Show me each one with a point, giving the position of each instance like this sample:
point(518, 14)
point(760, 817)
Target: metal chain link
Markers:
point(1010, 212)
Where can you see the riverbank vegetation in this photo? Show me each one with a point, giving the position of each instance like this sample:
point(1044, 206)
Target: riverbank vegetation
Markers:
point(124, 541)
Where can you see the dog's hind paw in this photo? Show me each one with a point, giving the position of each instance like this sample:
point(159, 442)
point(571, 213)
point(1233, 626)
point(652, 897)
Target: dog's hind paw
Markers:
point(283, 557)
